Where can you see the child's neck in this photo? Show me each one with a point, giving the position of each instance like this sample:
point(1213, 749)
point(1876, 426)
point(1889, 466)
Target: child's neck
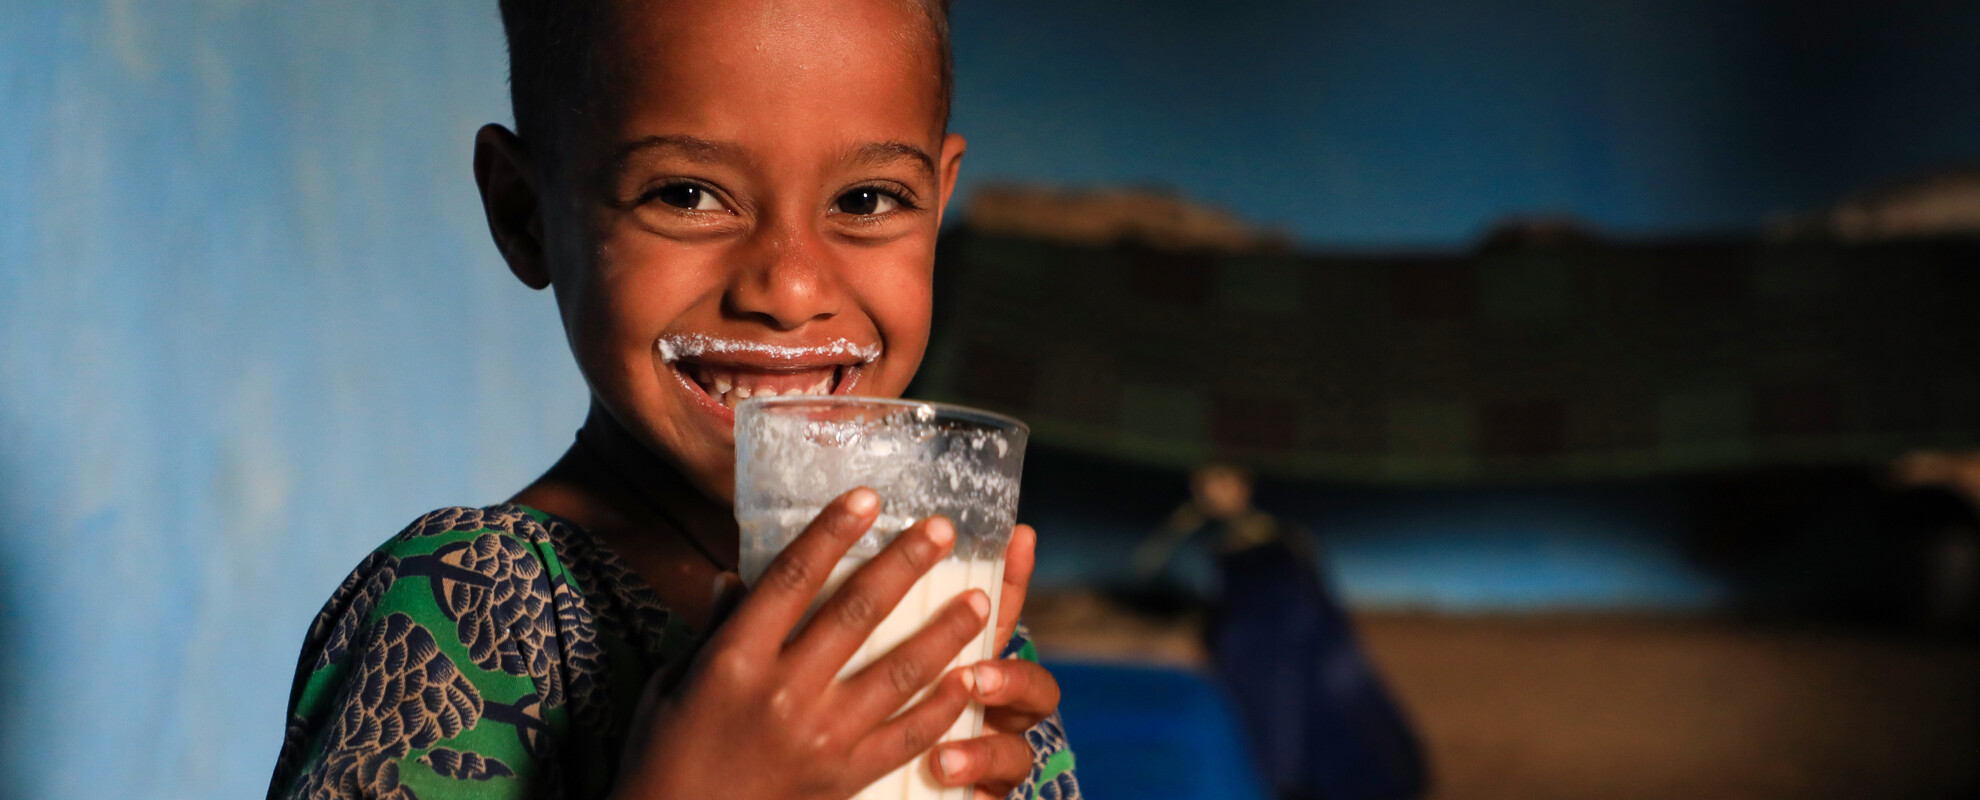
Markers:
point(672, 535)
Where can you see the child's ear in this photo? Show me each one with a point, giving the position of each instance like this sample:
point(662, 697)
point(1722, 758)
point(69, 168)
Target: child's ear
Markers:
point(503, 171)
point(953, 146)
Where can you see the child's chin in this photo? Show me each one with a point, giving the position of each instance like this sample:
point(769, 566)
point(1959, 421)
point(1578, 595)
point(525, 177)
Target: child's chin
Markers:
point(707, 460)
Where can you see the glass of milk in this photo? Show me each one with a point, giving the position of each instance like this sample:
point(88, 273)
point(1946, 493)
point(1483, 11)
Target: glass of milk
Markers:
point(796, 454)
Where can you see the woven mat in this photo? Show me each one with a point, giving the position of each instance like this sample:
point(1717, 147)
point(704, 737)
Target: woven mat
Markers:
point(1573, 361)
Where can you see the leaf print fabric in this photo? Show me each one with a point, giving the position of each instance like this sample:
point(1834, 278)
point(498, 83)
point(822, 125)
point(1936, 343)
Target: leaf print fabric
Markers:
point(406, 694)
point(494, 591)
point(336, 625)
point(465, 766)
point(497, 653)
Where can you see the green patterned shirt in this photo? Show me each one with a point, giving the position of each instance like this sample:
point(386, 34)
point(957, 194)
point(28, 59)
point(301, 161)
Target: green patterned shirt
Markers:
point(498, 653)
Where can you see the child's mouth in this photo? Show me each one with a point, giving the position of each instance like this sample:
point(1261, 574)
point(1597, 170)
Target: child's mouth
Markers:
point(727, 384)
point(721, 373)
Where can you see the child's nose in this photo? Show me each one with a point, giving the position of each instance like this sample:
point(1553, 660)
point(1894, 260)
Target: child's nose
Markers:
point(786, 280)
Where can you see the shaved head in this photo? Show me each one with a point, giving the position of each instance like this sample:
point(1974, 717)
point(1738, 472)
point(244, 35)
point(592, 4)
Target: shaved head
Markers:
point(556, 63)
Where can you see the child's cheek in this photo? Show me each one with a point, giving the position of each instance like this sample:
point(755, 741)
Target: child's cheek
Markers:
point(903, 312)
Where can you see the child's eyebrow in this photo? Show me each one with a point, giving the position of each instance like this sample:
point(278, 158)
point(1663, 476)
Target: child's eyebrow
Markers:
point(698, 150)
point(878, 154)
point(704, 151)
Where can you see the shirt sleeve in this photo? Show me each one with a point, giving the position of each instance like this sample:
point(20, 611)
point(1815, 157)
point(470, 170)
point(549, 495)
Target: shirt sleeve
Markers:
point(1052, 776)
point(429, 672)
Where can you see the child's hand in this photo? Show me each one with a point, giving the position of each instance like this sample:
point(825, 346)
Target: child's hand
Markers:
point(1016, 694)
point(761, 713)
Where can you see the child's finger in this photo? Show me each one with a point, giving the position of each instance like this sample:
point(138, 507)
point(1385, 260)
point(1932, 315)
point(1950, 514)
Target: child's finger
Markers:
point(915, 729)
point(843, 622)
point(793, 578)
point(1016, 694)
point(882, 687)
point(1019, 557)
point(999, 761)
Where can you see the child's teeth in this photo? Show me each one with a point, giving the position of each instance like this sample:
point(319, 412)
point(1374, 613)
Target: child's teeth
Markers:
point(725, 386)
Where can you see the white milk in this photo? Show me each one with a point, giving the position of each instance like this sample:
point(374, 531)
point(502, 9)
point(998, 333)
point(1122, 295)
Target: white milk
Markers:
point(944, 583)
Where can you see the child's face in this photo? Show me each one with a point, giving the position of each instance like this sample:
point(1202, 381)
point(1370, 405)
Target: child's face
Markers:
point(752, 207)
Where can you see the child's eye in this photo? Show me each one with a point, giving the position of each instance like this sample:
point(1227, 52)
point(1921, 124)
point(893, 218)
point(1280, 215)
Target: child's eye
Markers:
point(866, 202)
point(689, 196)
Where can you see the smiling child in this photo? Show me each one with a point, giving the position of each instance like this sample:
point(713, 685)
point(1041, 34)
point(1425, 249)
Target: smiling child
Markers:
point(728, 198)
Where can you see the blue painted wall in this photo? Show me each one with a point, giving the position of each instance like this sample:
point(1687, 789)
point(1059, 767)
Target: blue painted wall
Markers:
point(250, 322)
point(1373, 122)
point(1609, 546)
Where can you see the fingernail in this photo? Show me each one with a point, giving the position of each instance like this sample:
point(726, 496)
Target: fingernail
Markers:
point(979, 603)
point(862, 501)
point(969, 680)
point(953, 762)
point(940, 531)
point(988, 677)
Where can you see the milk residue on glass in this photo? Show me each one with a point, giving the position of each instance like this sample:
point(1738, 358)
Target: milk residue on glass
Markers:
point(789, 466)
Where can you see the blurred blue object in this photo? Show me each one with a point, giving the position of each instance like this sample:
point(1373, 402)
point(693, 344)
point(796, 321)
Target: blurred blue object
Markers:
point(1319, 718)
point(1142, 731)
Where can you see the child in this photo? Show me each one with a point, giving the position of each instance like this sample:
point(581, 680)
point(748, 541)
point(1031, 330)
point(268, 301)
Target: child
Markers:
point(729, 198)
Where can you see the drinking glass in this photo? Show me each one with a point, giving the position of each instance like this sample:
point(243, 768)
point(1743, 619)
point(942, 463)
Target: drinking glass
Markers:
point(796, 454)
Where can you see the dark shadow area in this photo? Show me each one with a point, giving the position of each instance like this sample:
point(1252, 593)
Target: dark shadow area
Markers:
point(14, 724)
point(1840, 546)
